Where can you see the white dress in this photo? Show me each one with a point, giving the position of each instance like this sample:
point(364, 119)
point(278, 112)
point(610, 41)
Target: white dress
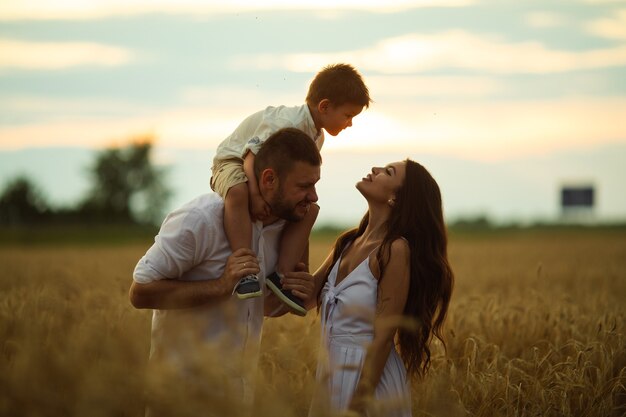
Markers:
point(347, 314)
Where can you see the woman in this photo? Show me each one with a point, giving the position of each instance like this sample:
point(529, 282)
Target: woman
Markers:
point(384, 292)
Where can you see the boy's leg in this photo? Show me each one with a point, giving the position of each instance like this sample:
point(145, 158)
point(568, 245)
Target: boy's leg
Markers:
point(238, 228)
point(293, 249)
point(237, 222)
point(295, 240)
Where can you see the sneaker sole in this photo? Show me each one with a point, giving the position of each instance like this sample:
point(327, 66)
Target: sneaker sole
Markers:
point(249, 295)
point(293, 306)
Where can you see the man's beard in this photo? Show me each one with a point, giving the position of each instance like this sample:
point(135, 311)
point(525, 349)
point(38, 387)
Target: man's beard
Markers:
point(282, 209)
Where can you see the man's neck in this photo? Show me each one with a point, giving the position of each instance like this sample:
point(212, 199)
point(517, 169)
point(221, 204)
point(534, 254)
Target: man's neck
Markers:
point(270, 220)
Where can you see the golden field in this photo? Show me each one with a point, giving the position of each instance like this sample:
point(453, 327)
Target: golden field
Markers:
point(536, 328)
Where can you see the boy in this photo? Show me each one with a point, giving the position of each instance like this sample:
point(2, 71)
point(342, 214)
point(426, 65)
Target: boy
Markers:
point(336, 95)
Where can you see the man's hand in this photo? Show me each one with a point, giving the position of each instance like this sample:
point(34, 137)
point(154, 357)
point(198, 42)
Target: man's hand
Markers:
point(300, 282)
point(240, 263)
point(259, 209)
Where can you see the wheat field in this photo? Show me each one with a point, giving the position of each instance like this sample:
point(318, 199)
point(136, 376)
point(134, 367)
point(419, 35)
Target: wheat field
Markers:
point(536, 328)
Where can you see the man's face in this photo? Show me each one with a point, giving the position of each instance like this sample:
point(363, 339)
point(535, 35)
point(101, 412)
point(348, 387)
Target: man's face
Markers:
point(296, 192)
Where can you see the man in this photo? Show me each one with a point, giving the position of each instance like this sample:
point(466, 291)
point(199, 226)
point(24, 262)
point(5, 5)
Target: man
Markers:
point(187, 277)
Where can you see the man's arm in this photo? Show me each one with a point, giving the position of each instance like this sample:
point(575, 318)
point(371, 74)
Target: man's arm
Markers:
point(178, 248)
point(174, 294)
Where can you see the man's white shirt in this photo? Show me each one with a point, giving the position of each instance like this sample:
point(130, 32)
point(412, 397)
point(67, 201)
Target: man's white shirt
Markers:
point(191, 246)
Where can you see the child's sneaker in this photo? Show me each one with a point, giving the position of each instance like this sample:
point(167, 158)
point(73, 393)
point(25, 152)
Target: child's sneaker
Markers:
point(248, 287)
point(294, 303)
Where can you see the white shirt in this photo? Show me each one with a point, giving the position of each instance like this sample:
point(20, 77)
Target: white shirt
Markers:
point(191, 246)
point(256, 128)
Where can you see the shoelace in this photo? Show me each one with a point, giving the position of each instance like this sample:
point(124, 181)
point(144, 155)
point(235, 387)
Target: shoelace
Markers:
point(248, 278)
point(245, 280)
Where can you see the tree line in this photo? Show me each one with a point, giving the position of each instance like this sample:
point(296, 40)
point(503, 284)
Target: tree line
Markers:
point(126, 188)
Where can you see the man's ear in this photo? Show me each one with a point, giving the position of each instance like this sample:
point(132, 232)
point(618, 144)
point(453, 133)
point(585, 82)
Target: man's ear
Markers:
point(323, 105)
point(269, 179)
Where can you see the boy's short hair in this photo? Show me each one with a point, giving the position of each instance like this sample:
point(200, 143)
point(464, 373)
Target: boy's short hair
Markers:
point(282, 149)
point(339, 83)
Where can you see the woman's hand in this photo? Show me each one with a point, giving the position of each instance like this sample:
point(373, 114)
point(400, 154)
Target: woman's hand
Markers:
point(300, 282)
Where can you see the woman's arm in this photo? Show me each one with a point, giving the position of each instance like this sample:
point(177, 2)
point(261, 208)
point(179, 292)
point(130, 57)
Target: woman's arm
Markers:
point(392, 296)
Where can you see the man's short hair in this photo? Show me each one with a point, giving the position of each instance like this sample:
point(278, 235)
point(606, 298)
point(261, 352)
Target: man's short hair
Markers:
point(339, 83)
point(282, 149)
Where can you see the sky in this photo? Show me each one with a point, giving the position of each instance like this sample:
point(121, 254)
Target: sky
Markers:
point(504, 101)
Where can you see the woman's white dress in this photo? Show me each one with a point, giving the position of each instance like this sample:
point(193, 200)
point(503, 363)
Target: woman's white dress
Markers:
point(347, 315)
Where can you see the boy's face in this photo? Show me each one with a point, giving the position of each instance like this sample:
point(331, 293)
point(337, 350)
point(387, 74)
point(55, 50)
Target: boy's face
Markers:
point(334, 119)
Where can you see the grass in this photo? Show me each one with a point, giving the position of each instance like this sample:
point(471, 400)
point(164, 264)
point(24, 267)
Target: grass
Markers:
point(536, 327)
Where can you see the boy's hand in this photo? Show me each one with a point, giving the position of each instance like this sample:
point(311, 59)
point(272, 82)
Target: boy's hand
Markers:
point(259, 209)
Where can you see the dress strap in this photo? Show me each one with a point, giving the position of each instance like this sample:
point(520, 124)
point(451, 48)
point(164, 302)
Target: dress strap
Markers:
point(377, 247)
point(372, 251)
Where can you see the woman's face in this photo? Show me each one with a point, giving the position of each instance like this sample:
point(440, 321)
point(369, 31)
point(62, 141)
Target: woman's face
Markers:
point(382, 183)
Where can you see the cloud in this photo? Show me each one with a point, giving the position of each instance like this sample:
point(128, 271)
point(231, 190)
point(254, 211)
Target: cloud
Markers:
point(233, 96)
point(469, 128)
point(405, 86)
point(489, 130)
point(610, 28)
point(383, 87)
point(602, 1)
point(71, 9)
point(88, 133)
point(51, 108)
point(540, 19)
point(18, 54)
point(456, 49)
point(184, 127)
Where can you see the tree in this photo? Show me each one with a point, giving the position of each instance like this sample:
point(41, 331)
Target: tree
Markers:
point(21, 203)
point(126, 188)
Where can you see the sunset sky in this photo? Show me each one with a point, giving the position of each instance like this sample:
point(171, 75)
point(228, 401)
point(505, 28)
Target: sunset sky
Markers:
point(518, 96)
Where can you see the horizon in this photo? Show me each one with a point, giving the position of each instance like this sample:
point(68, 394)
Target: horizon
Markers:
point(504, 192)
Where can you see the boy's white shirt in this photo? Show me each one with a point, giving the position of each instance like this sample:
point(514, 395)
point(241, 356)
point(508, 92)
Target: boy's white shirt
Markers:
point(257, 127)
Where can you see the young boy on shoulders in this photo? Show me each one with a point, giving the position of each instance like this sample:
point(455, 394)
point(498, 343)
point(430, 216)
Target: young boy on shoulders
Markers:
point(336, 95)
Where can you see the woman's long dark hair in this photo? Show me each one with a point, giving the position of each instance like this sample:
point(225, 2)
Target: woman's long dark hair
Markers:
point(417, 216)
